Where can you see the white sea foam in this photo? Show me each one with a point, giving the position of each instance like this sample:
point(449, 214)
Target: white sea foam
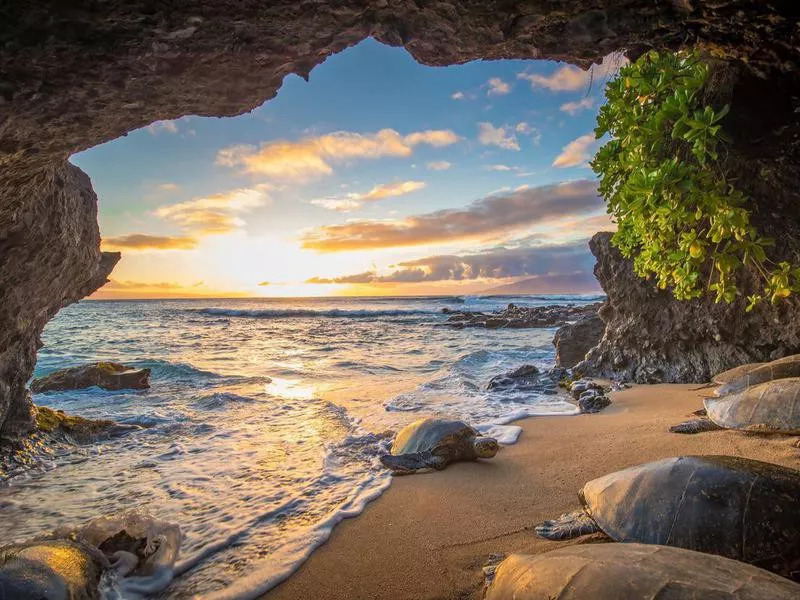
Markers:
point(283, 313)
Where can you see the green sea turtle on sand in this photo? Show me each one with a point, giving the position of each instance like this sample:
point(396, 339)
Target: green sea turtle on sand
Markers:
point(731, 506)
point(434, 444)
point(633, 572)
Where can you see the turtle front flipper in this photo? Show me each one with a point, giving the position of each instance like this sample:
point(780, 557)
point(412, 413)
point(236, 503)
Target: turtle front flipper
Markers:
point(695, 426)
point(568, 526)
point(411, 462)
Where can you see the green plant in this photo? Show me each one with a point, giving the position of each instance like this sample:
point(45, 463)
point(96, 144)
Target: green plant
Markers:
point(679, 218)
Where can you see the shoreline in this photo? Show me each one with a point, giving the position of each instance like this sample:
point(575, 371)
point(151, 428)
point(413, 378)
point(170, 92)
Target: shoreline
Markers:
point(428, 536)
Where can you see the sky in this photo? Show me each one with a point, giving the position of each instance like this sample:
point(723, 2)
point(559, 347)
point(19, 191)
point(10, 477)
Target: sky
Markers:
point(378, 176)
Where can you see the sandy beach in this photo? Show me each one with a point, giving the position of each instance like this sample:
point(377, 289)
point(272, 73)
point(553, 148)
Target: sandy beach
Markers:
point(429, 535)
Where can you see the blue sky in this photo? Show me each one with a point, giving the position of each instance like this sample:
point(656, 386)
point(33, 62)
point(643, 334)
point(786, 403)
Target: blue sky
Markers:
point(372, 138)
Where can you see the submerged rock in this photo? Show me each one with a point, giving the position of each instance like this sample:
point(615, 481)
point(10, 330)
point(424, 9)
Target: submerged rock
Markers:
point(59, 424)
point(574, 340)
point(107, 375)
point(521, 317)
point(526, 378)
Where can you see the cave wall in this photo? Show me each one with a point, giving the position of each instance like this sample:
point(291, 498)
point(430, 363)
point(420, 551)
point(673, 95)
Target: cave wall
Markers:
point(49, 257)
point(76, 74)
point(679, 341)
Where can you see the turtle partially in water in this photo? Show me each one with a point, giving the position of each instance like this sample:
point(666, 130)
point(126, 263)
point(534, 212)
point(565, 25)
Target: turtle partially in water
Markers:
point(633, 572)
point(731, 506)
point(434, 444)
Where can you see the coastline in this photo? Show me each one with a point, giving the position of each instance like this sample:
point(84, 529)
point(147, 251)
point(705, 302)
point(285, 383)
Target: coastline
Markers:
point(428, 536)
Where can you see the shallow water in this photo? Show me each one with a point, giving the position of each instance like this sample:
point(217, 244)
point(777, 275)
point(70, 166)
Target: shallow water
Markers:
point(264, 420)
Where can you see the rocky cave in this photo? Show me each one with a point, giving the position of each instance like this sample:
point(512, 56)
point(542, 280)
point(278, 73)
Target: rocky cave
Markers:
point(76, 75)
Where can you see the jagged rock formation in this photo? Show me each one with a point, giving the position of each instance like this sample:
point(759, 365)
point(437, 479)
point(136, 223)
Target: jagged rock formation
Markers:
point(679, 341)
point(76, 75)
point(574, 340)
point(107, 375)
point(520, 317)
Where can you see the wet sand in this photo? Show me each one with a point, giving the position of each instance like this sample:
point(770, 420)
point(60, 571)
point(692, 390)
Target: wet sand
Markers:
point(429, 535)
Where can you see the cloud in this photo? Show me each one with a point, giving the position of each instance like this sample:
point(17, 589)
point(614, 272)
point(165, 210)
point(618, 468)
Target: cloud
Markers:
point(143, 241)
point(169, 187)
point(524, 128)
point(573, 108)
point(577, 152)
point(492, 215)
point(503, 137)
point(457, 95)
point(379, 192)
point(113, 284)
point(264, 283)
point(214, 214)
point(566, 261)
point(162, 127)
point(565, 79)
point(313, 157)
point(439, 165)
point(497, 87)
point(499, 168)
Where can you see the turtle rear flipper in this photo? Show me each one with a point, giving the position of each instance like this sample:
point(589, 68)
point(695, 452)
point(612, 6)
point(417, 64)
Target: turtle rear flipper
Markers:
point(411, 462)
point(568, 526)
point(695, 426)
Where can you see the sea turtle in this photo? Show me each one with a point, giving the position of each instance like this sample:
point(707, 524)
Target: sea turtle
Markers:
point(771, 407)
point(633, 572)
point(434, 444)
point(782, 368)
point(736, 507)
point(51, 570)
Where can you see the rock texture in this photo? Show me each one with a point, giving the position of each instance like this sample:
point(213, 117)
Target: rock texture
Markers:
point(574, 340)
point(679, 341)
point(107, 375)
point(49, 257)
point(74, 75)
point(521, 317)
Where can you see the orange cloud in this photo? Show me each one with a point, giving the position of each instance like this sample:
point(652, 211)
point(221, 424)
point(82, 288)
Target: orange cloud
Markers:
point(143, 241)
point(566, 78)
point(439, 165)
point(492, 215)
point(577, 152)
point(313, 156)
point(379, 192)
point(497, 87)
point(503, 137)
point(214, 214)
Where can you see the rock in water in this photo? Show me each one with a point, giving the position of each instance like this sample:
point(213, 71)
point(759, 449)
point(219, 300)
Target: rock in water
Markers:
point(521, 317)
point(574, 340)
point(633, 572)
point(50, 570)
point(107, 375)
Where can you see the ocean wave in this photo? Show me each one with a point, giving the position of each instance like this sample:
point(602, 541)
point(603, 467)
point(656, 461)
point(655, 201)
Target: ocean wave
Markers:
point(287, 313)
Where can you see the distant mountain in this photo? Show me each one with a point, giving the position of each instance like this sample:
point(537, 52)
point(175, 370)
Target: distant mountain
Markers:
point(548, 285)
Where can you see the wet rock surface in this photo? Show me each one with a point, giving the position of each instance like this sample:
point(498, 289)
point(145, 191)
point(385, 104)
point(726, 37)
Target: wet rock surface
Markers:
point(590, 395)
point(650, 337)
point(574, 340)
point(107, 375)
point(521, 317)
point(526, 378)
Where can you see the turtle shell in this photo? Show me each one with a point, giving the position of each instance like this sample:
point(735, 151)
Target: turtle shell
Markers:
point(771, 407)
point(778, 369)
point(634, 572)
point(731, 506)
point(56, 570)
point(735, 373)
point(433, 434)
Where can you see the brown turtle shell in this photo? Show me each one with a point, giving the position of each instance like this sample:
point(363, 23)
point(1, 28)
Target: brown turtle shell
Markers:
point(437, 435)
point(771, 407)
point(735, 373)
point(634, 572)
point(731, 506)
point(782, 368)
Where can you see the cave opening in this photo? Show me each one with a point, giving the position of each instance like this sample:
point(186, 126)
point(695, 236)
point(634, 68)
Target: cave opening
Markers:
point(87, 79)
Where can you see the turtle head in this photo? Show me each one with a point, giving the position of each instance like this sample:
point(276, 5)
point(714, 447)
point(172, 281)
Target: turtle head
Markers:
point(485, 447)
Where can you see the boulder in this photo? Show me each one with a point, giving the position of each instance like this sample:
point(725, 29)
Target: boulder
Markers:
point(107, 375)
point(59, 425)
point(574, 340)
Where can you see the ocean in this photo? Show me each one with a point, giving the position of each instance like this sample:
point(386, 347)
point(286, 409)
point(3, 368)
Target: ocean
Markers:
point(265, 418)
